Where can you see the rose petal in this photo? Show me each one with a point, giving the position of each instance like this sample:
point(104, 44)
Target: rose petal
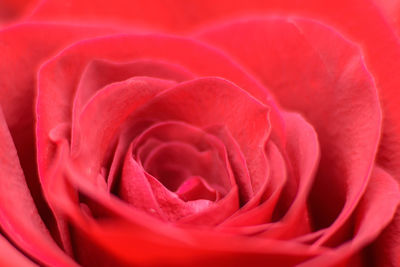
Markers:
point(302, 158)
point(21, 221)
point(303, 154)
point(99, 73)
point(269, 196)
point(12, 10)
point(196, 188)
point(10, 256)
point(237, 162)
point(199, 212)
point(175, 160)
point(361, 20)
point(207, 150)
point(184, 16)
point(324, 83)
point(147, 241)
point(135, 188)
point(147, 193)
point(212, 101)
point(374, 212)
point(104, 115)
point(385, 250)
point(58, 72)
point(391, 10)
point(22, 48)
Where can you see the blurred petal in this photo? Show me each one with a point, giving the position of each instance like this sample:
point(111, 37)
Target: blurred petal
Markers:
point(21, 221)
point(13, 10)
point(374, 212)
point(10, 256)
point(23, 48)
point(385, 250)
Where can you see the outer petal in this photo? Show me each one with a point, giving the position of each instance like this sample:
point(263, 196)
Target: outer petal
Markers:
point(375, 211)
point(385, 250)
point(103, 115)
point(100, 73)
point(54, 106)
point(391, 10)
point(213, 101)
point(330, 87)
point(22, 48)
point(291, 215)
point(361, 20)
point(10, 256)
point(11, 10)
point(21, 221)
point(303, 153)
point(117, 234)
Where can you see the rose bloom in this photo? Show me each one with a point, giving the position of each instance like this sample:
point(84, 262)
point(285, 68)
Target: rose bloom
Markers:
point(199, 133)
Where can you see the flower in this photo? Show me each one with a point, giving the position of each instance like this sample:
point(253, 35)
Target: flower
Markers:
point(263, 135)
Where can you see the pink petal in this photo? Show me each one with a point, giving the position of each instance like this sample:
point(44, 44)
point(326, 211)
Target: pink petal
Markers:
point(196, 188)
point(23, 48)
point(20, 220)
point(303, 154)
point(175, 160)
point(302, 158)
point(269, 196)
point(198, 212)
point(104, 114)
point(210, 156)
point(10, 256)
point(100, 73)
point(385, 249)
point(121, 235)
point(212, 101)
point(193, 56)
point(135, 188)
point(374, 212)
point(237, 162)
point(13, 10)
point(184, 151)
point(315, 71)
point(147, 193)
point(391, 10)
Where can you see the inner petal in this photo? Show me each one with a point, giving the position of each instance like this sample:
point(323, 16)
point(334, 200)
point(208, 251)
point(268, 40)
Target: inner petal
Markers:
point(196, 187)
point(99, 73)
point(176, 163)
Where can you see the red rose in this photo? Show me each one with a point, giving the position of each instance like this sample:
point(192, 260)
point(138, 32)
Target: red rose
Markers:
point(183, 133)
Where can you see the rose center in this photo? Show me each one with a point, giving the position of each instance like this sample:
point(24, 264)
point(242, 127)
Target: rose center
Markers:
point(183, 169)
point(176, 170)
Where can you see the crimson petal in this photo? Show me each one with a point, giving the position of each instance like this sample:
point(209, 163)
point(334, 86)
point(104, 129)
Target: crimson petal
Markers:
point(324, 83)
point(21, 221)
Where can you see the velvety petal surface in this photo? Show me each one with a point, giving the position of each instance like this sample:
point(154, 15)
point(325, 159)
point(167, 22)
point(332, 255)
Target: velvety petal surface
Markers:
point(212, 101)
point(23, 48)
point(332, 90)
point(374, 212)
point(99, 73)
point(21, 221)
point(59, 73)
point(121, 237)
point(103, 115)
point(10, 256)
point(313, 70)
point(361, 20)
point(13, 10)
